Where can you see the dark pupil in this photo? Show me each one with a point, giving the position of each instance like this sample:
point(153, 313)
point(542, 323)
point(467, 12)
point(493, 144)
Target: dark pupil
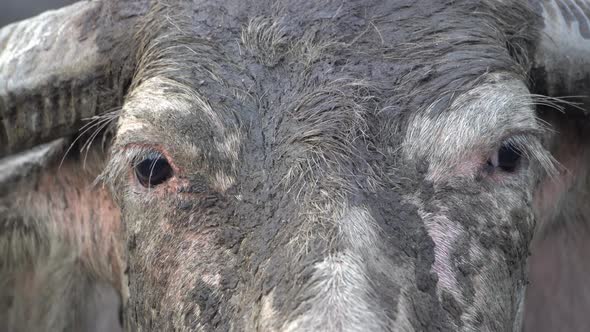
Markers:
point(508, 157)
point(152, 171)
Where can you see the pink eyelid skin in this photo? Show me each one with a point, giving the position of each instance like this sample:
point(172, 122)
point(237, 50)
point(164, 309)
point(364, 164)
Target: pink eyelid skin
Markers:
point(473, 164)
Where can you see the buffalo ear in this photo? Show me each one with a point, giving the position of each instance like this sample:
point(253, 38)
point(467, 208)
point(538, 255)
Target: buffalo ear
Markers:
point(561, 50)
point(62, 258)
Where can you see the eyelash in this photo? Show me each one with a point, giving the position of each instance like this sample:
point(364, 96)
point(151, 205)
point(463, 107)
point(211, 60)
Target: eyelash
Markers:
point(528, 148)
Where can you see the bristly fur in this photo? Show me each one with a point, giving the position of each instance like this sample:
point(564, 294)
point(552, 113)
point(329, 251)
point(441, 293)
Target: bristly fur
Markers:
point(316, 121)
point(330, 169)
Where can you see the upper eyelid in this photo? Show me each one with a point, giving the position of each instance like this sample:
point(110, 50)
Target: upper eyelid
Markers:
point(136, 152)
point(527, 134)
point(525, 140)
point(143, 155)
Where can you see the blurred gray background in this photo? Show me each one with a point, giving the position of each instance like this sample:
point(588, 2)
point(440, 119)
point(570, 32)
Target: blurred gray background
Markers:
point(17, 10)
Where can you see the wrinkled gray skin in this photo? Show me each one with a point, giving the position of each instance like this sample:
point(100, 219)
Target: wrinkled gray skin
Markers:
point(334, 166)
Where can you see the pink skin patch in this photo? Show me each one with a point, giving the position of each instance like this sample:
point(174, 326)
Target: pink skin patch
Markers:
point(464, 167)
point(85, 216)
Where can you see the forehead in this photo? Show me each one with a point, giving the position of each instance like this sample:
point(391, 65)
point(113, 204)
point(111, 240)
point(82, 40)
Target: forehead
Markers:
point(316, 65)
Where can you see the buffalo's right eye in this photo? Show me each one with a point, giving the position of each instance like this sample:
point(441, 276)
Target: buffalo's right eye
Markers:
point(153, 170)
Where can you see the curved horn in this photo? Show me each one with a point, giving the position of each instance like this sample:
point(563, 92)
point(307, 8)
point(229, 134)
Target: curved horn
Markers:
point(562, 57)
point(61, 67)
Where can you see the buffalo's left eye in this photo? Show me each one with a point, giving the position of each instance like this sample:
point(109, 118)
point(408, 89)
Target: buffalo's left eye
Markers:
point(507, 158)
point(153, 170)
